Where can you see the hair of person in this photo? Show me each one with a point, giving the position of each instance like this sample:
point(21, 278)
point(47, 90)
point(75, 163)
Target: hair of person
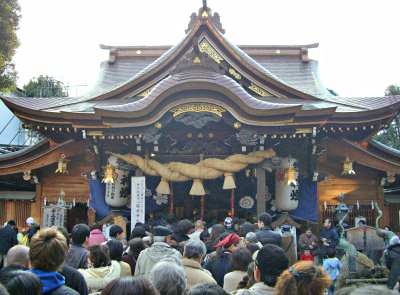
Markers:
point(79, 233)
point(371, 289)
point(303, 278)
point(207, 289)
point(115, 230)
point(138, 232)
point(3, 290)
point(11, 223)
point(204, 235)
point(184, 226)
point(331, 252)
point(136, 245)
point(17, 256)
point(271, 260)
point(216, 231)
point(246, 228)
point(116, 249)
point(194, 249)
point(99, 256)
point(252, 247)
point(240, 259)
point(64, 232)
point(199, 224)
point(96, 226)
point(20, 282)
point(48, 249)
point(265, 218)
point(168, 278)
point(130, 286)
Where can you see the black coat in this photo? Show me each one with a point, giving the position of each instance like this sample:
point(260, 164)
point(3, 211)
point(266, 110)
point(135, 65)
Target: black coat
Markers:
point(268, 236)
point(392, 259)
point(331, 235)
point(8, 239)
point(74, 280)
point(218, 264)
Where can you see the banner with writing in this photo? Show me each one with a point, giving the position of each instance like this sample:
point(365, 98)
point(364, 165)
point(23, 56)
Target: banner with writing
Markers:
point(138, 200)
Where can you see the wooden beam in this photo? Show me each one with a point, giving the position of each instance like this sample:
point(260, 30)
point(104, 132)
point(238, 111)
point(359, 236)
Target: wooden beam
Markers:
point(48, 157)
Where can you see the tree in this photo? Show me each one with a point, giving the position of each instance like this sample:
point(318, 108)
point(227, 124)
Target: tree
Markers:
point(45, 86)
point(391, 136)
point(9, 19)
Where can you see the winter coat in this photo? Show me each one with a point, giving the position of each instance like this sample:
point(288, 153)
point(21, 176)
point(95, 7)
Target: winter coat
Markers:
point(257, 289)
point(74, 280)
point(77, 257)
point(150, 256)
point(232, 280)
point(331, 235)
point(96, 238)
point(305, 242)
point(131, 261)
point(268, 236)
point(98, 278)
point(392, 259)
point(8, 239)
point(332, 267)
point(53, 283)
point(195, 274)
point(218, 265)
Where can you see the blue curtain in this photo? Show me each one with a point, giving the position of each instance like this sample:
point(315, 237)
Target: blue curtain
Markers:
point(308, 200)
point(97, 198)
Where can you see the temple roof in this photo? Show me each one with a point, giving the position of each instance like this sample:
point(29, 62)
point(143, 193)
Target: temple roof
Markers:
point(257, 84)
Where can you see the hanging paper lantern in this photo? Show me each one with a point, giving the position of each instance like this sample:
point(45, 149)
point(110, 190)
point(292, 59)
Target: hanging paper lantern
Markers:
point(286, 187)
point(114, 177)
point(348, 167)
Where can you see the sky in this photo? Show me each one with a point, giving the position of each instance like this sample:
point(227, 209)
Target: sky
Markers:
point(359, 51)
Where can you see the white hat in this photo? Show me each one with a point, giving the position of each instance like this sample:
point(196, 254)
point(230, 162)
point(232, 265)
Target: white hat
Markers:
point(30, 221)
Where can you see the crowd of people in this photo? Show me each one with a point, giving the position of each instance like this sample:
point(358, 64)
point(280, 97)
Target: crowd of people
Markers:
point(234, 257)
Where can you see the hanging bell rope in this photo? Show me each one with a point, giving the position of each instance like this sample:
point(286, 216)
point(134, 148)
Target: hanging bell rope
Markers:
point(211, 168)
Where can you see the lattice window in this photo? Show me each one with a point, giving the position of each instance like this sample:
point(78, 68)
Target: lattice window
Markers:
point(22, 212)
point(364, 210)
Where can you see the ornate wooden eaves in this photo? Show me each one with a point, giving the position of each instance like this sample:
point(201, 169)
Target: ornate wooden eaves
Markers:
point(36, 160)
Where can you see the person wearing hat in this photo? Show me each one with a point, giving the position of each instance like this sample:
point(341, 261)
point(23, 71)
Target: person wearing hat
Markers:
point(160, 250)
point(270, 262)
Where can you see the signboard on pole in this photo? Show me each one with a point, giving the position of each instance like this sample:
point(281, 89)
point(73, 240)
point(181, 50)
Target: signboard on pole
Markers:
point(138, 200)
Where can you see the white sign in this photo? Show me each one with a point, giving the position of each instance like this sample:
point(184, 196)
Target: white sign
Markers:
point(53, 216)
point(138, 200)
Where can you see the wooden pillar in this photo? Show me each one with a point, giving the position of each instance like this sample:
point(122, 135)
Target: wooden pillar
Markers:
point(36, 206)
point(10, 210)
point(261, 200)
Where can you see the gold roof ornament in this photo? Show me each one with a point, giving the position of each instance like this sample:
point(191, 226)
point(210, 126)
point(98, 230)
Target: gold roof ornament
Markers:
point(62, 165)
point(348, 167)
point(197, 108)
point(27, 175)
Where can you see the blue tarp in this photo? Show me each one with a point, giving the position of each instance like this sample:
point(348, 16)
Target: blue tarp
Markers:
point(97, 198)
point(308, 200)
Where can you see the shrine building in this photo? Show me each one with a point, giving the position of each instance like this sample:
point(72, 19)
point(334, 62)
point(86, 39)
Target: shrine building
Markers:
point(215, 128)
